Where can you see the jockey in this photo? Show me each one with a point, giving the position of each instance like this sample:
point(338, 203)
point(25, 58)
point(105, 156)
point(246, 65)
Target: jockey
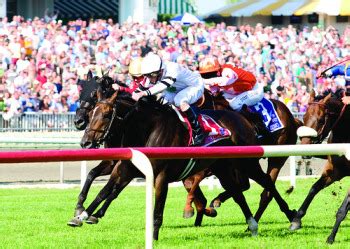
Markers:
point(239, 87)
point(340, 70)
point(178, 85)
point(139, 82)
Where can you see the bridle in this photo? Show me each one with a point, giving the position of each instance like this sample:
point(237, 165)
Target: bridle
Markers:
point(106, 134)
point(322, 134)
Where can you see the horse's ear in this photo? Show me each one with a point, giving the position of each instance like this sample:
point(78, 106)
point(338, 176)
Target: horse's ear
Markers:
point(328, 97)
point(312, 96)
point(106, 73)
point(113, 97)
point(89, 75)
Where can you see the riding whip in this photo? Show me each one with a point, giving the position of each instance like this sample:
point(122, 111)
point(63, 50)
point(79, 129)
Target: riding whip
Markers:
point(340, 62)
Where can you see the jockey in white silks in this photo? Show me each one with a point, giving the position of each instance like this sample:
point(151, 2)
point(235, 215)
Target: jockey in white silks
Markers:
point(178, 85)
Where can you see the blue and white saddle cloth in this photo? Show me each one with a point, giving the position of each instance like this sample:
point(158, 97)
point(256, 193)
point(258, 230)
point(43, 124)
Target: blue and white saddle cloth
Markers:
point(266, 109)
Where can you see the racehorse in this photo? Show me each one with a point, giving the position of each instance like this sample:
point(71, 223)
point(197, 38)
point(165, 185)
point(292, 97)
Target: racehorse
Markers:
point(287, 135)
point(88, 99)
point(150, 123)
point(325, 114)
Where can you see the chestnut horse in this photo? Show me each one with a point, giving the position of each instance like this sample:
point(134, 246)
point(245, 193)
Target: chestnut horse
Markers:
point(150, 123)
point(325, 114)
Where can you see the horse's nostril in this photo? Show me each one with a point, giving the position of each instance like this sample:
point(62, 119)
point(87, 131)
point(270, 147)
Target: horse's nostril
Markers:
point(86, 145)
point(80, 124)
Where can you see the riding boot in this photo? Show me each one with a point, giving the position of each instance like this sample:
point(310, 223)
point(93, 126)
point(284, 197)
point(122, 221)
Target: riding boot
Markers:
point(198, 134)
point(258, 122)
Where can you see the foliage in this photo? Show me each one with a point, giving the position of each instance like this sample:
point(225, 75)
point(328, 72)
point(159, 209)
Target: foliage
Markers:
point(36, 218)
point(165, 17)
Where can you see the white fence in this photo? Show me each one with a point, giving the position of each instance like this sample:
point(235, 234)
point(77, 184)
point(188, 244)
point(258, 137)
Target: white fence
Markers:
point(141, 161)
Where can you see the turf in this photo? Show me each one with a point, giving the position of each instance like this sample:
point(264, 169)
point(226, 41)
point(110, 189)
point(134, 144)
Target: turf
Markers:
point(36, 218)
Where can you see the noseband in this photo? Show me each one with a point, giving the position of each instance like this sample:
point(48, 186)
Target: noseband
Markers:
point(106, 131)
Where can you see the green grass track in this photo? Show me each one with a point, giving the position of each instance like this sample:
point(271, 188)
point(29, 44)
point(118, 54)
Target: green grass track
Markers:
point(36, 218)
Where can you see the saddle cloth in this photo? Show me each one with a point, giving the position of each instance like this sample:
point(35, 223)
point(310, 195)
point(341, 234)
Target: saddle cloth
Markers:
point(213, 130)
point(266, 109)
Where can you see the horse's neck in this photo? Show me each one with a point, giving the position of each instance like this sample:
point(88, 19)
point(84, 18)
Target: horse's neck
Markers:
point(340, 133)
point(146, 127)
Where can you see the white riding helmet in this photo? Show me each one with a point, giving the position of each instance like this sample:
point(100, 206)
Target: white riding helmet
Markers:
point(151, 63)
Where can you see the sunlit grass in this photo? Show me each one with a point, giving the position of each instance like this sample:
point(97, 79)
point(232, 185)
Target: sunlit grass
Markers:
point(36, 218)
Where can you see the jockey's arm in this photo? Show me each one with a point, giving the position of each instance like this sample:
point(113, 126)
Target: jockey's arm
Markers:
point(216, 81)
point(160, 86)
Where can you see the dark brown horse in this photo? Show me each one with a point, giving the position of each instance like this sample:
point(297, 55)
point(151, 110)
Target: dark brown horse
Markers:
point(325, 114)
point(88, 99)
point(150, 123)
point(287, 135)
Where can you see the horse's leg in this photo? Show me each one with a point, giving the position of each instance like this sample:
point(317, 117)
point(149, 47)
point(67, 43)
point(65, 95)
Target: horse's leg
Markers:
point(240, 179)
point(161, 191)
point(104, 168)
point(258, 175)
point(274, 167)
point(190, 184)
point(121, 176)
point(341, 214)
point(232, 188)
point(196, 196)
point(327, 178)
point(118, 187)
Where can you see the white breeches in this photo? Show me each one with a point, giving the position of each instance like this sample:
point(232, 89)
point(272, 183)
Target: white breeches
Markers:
point(248, 98)
point(190, 94)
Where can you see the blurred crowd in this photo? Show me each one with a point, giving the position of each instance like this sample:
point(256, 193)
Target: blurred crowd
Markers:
point(41, 60)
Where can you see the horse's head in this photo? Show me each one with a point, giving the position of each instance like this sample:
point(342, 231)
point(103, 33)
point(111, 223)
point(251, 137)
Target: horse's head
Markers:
point(88, 97)
point(105, 83)
point(87, 101)
point(320, 118)
point(100, 120)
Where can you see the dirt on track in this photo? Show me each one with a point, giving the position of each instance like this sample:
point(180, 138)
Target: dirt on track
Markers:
point(22, 173)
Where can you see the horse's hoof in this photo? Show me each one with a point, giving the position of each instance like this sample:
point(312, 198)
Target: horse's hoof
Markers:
point(252, 226)
point(215, 204)
point(92, 220)
point(210, 212)
point(78, 211)
point(188, 213)
point(75, 222)
point(330, 240)
point(295, 225)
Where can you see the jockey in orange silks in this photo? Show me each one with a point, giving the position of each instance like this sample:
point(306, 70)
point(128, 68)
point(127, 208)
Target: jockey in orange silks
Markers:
point(239, 86)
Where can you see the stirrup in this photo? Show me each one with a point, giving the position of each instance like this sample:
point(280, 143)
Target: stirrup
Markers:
point(198, 138)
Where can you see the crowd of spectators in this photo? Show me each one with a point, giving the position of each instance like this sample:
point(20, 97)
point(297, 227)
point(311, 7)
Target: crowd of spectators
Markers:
point(42, 60)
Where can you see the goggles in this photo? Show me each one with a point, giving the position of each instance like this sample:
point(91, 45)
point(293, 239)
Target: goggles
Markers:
point(137, 78)
point(152, 75)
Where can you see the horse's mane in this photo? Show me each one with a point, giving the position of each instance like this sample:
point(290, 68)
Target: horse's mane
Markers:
point(155, 104)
